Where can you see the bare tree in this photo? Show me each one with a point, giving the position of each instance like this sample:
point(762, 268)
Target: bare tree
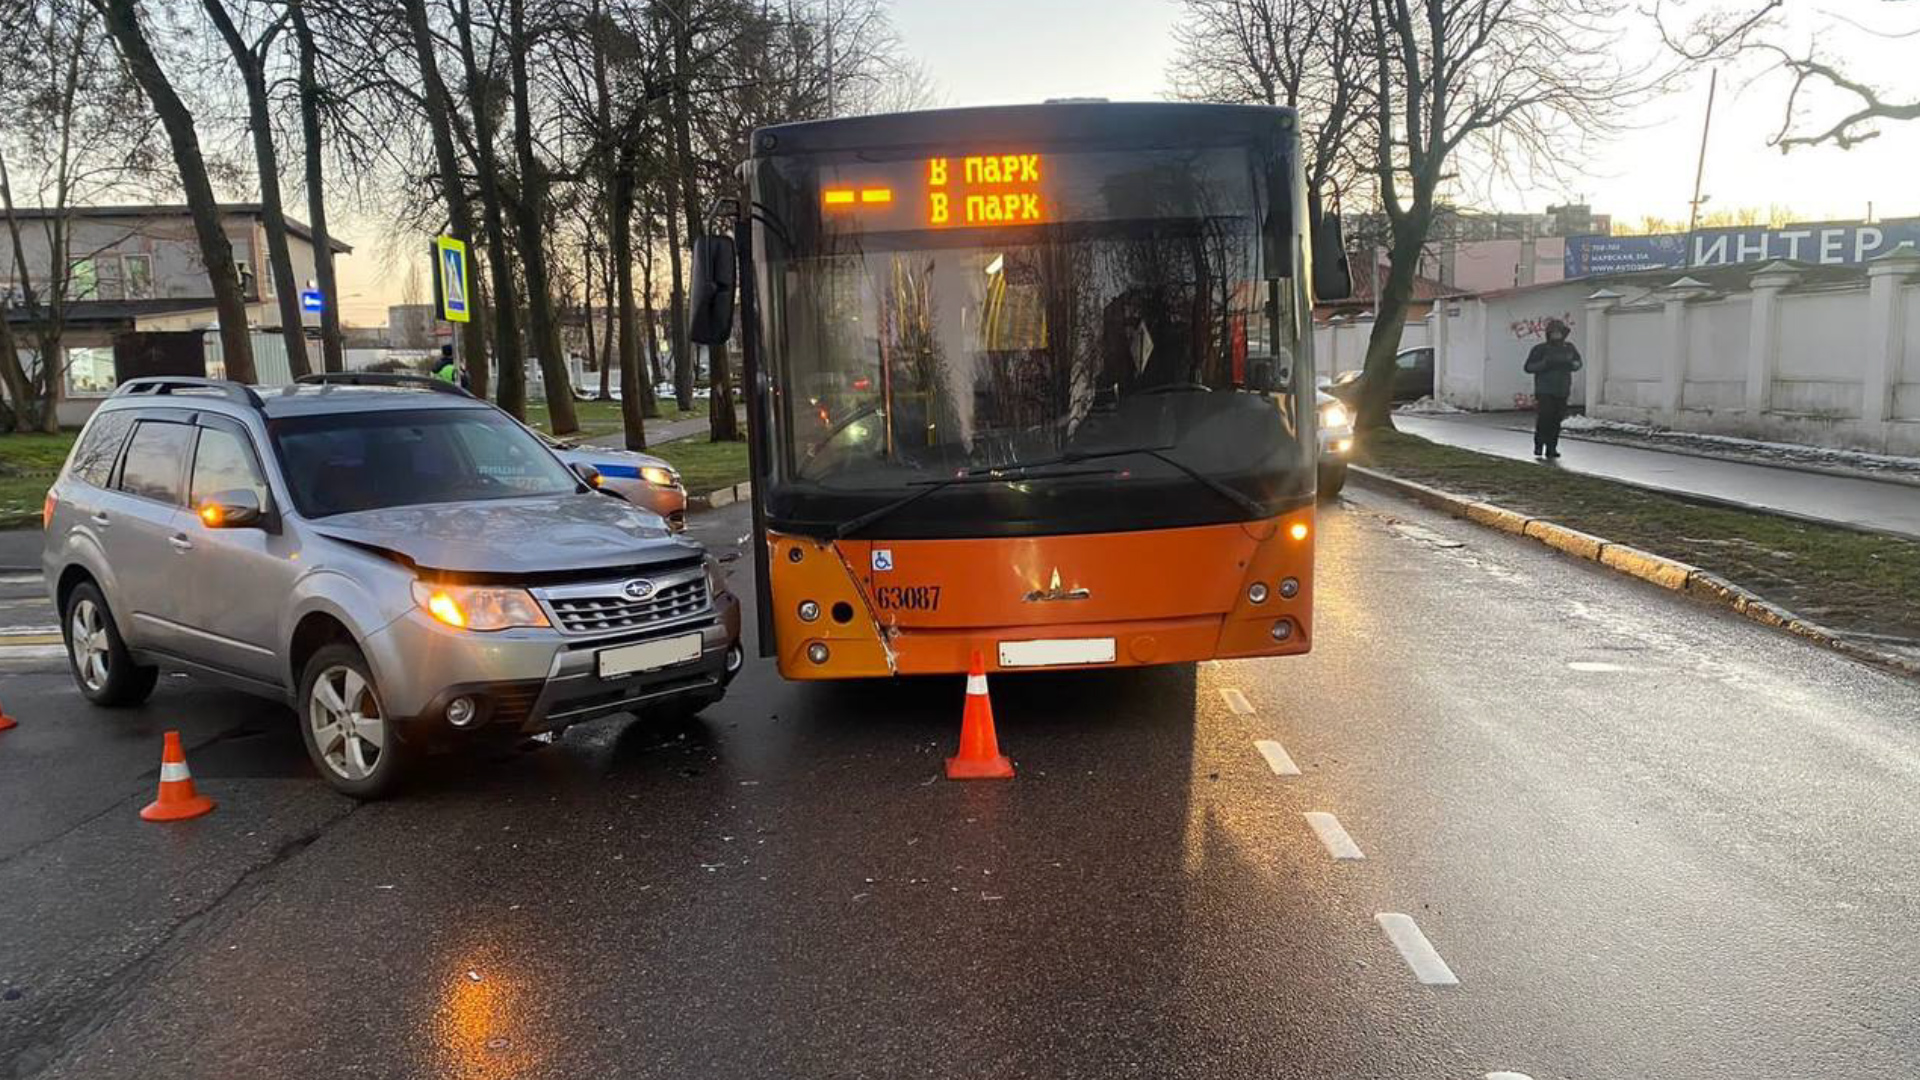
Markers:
point(252, 57)
point(1851, 108)
point(216, 252)
point(77, 132)
point(313, 105)
point(484, 101)
point(1309, 55)
point(1509, 82)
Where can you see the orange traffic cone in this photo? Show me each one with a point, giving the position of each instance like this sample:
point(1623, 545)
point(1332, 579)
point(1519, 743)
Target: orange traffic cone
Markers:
point(979, 757)
point(178, 801)
point(7, 721)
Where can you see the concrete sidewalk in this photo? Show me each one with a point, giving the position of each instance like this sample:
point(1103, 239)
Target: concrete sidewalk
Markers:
point(1872, 505)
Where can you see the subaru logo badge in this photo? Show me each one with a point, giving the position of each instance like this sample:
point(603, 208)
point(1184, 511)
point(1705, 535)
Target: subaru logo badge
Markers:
point(638, 589)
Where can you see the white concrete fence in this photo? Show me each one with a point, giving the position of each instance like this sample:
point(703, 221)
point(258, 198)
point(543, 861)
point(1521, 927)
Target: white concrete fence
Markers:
point(1828, 365)
point(1782, 359)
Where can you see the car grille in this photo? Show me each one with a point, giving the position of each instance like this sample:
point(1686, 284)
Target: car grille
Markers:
point(612, 612)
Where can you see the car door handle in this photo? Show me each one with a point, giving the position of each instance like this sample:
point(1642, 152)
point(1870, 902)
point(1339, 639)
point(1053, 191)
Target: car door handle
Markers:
point(101, 520)
point(180, 542)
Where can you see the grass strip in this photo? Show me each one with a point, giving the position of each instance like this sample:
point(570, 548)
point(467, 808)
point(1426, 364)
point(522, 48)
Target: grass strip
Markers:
point(1849, 581)
point(705, 466)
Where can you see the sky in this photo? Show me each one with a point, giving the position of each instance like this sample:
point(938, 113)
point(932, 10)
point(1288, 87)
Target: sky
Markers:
point(992, 52)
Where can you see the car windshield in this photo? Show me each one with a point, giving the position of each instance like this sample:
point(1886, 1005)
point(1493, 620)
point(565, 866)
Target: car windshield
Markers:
point(338, 463)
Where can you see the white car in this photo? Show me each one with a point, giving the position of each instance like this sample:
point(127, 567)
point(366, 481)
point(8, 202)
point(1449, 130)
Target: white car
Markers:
point(641, 479)
point(1336, 443)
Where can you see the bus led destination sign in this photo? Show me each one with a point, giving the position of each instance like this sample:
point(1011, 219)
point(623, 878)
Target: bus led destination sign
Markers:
point(976, 189)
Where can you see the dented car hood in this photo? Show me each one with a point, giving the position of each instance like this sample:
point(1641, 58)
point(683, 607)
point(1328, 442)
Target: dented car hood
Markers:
point(532, 535)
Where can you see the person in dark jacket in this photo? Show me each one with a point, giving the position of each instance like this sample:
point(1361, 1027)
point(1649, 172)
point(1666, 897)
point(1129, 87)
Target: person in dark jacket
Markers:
point(1552, 364)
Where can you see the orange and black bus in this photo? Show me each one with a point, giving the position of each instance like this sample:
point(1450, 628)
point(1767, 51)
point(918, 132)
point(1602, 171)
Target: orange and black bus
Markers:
point(1030, 380)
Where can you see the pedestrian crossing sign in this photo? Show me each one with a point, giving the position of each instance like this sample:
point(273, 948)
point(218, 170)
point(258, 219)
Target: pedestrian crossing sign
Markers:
point(450, 279)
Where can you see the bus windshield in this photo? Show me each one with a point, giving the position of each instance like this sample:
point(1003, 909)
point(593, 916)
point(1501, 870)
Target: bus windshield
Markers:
point(913, 357)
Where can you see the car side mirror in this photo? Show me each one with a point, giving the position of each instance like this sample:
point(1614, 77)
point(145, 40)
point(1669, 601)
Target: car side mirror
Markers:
point(588, 475)
point(236, 509)
point(1332, 277)
point(715, 271)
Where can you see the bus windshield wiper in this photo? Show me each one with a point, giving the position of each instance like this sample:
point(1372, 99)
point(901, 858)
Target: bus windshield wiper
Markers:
point(1157, 452)
point(928, 487)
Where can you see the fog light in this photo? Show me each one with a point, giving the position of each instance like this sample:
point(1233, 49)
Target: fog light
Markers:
point(809, 611)
point(1257, 592)
point(1283, 630)
point(735, 658)
point(1289, 588)
point(461, 712)
point(1343, 446)
point(1298, 530)
point(817, 652)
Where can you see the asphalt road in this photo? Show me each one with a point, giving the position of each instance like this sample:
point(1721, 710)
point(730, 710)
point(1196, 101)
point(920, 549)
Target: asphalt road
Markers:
point(1642, 840)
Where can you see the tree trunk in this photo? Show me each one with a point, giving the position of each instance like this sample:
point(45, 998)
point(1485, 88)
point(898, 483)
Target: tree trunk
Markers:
point(332, 350)
point(721, 424)
point(528, 212)
point(266, 159)
point(650, 403)
point(439, 110)
point(677, 318)
point(620, 211)
point(609, 358)
point(216, 251)
point(1390, 320)
point(506, 308)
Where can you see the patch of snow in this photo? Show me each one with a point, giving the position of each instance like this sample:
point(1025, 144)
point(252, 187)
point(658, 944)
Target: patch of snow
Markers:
point(1428, 406)
point(1759, 449)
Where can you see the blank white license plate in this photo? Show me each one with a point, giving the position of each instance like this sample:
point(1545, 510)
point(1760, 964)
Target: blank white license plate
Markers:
point(649, 655)
point(1050, 651)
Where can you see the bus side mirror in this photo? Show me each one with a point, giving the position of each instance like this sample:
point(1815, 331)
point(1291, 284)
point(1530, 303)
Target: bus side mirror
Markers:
point(714, 273)
point(1332, 278)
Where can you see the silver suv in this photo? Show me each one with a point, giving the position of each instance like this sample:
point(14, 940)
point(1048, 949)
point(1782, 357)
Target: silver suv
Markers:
point(403, 564)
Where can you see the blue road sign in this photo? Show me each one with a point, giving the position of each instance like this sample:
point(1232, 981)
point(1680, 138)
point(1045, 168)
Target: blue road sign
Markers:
point(311, 302)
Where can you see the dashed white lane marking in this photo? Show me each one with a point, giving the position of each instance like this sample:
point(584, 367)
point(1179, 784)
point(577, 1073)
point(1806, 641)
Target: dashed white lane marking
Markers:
point(1508, 1076)
point(1339, 844)
point(1277, 757)
point(1593, 665)
point(1236, 701)
point(1416, 950)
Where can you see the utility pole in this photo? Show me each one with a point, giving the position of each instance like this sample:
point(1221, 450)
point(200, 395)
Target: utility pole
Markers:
point(1700, 170)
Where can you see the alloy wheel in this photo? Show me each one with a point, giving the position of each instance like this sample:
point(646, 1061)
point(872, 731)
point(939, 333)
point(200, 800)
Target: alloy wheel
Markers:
point(87, 636)
point(349, 729)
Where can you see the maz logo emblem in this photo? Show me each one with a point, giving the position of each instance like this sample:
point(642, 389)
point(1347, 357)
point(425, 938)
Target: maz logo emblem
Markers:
point(1055, 592)
point(638, 589)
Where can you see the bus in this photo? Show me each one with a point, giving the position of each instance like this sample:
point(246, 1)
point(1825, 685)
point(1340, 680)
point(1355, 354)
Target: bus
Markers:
point(1031, 381)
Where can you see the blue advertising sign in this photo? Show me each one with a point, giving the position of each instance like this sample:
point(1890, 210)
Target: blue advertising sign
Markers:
point(310, 301)
point(1829, 244)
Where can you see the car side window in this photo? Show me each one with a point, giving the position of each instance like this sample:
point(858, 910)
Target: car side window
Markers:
point(93, 459)
point(156, 464)
point(1407, 361)
point(224, 461)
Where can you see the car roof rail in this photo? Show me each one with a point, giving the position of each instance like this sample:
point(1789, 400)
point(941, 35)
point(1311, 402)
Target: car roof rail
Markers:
point(167, 384)
point(383, 378)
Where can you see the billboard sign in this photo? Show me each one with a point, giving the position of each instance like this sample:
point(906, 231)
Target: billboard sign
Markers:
point(1822, 244)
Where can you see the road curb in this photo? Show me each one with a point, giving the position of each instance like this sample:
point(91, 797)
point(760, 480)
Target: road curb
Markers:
point(726, 496)
point(1670, 574)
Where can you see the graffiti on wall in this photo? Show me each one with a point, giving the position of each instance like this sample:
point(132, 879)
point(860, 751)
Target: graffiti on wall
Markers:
point(1536, 327)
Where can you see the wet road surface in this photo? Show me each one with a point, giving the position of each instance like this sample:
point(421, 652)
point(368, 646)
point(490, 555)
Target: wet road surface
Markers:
point(1514, 813)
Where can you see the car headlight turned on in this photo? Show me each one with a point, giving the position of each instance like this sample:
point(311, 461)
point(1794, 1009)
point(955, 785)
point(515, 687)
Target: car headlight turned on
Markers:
point(479, 607)
point(1334, 414)
point(660, 476)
